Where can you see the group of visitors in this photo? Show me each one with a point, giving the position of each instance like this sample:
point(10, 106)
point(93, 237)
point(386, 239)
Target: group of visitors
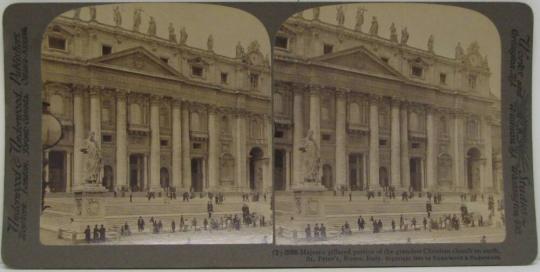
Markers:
point(319, 232)
point(99, 234)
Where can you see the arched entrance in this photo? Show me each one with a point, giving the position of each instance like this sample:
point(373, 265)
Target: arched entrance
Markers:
point(327, 180)
point(57, 171)
point(108, 177)
point(164, 177)
point(383, 177)
point(255, 169)
point(473, 169)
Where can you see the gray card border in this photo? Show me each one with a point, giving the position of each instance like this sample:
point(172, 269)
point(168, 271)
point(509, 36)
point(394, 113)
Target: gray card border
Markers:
point(24, 25)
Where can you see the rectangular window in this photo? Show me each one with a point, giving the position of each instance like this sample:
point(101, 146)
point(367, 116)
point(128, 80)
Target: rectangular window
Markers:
point(415, 145)
point(224, 77)
point(328, 48)
point(442, 78)
point(472, 81)
point(417, 71)
point(106, 50)
point(278, 134)
point(57, 43)
point(282, 42)
point(326, 137)
point(196, 145)
point(254, 80)
point(164, 59)
point(197, 71)
point(382, 142)
point(164, 142)
point(106, 138)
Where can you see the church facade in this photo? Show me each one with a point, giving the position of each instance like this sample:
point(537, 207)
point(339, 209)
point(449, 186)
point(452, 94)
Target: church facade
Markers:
point(165, 114)
point(384, 114)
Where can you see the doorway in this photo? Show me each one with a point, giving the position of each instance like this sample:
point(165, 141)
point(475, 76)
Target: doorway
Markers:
point(197, 174)
point(255, 169)
point(136, 172)
point(416, 174)
point(473, 169)
point(57, 171)
point(356, 172)
point(279, 170)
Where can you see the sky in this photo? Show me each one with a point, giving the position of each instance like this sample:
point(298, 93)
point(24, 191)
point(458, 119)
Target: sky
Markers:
point(227, 25)
point(449, 25)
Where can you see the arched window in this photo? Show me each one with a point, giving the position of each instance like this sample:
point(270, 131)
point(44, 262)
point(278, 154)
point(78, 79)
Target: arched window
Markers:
point(164, 117)
point(57, 104)
point(135, 114)
point(354, 113)
point(195, 122)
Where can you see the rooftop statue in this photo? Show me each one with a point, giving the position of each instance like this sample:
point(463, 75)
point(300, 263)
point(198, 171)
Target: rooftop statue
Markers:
point(393, 33)
point(316, 13)
point(210, 43)
point(254, 47)
point(77, 14)
point(93, 13)
point(117, 16)
point(430, 42)
point(137, 19)
point(359, 18)
point(152, 26)
point(340, 16)
point(239, 50)
point(172, 34)
point(459, 51)
point(404, 36)
point(374, 29)
point(183, 36)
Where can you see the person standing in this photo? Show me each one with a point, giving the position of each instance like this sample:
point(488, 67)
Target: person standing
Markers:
point(102, 233)
point(96, 233)
point(308, 232)
point(87, 234)
point(173, 226)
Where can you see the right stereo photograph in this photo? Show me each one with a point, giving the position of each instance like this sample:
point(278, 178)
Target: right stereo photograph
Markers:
point(387, 126)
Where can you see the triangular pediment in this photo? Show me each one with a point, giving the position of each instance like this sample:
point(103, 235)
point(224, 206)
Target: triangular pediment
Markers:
point(136, 59)
point(359, 59)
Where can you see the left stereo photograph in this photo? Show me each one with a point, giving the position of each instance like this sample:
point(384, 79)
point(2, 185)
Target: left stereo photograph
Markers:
point(158, 126)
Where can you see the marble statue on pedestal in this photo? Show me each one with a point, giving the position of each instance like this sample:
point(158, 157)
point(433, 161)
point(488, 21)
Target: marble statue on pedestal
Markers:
point(311, 158)
point(93, 159)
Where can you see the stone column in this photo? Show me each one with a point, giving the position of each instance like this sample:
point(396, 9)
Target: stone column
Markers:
point(395, 147)
point(315, 113)
point(78, 136)
point(431, 149)
point(268, 161)
point(155, 154)
point(121, 140)
point(374, 143)
point(240, 154)
point(186, 148)
point(458, 143)
point(405, 160)
point(95, 113)
point(341, 140)
point(69, 176)
point(287, 164)
point(298, 135)
point(213, 152)
point(146, 182)
point(176, 144)
point(488, 182)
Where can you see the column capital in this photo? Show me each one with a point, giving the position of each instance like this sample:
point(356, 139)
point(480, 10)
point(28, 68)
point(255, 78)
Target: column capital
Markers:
point(374, 99)
point(176, 102)
point(155, 99)
point(212, 109)
point(314, 89)
point(396, 101)
point(297, 87)
point(78, 89)
point(457, 113)
point(121, 94)
point(95, 90)
point(342, 92)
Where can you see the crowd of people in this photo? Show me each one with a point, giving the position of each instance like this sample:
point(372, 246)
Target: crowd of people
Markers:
point(97, 235)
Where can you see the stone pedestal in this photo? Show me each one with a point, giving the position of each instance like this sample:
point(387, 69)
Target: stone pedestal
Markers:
point(89, 210)
point(308, 205)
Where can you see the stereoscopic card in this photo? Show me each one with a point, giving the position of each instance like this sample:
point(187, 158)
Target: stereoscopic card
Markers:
point(219, 135)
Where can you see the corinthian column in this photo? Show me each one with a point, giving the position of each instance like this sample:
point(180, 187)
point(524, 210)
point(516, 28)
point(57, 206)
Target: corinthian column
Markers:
point(186, 148)
point(78, 135)
point(121, 140)
point(95, 113)
point(241, 155)
point(458, 138)
point(298, 135)
point(176, 144)
point(405, 169)
point(315, 113)
point(395, 146)
point(341, 140)
point(431, 155)
point(155, 156)
point(374, 143)
point(213, 146)
point(268, 167)
point(488, 150)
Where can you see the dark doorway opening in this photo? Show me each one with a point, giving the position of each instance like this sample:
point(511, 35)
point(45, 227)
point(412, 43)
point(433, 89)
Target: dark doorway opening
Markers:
point(57, 171)
point(197, 175)
point(136, 172)
point(280, 168)
point(416, 174)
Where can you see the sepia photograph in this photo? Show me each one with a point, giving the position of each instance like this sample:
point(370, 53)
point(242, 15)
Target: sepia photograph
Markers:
point(157, 126)
point(387, 126)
